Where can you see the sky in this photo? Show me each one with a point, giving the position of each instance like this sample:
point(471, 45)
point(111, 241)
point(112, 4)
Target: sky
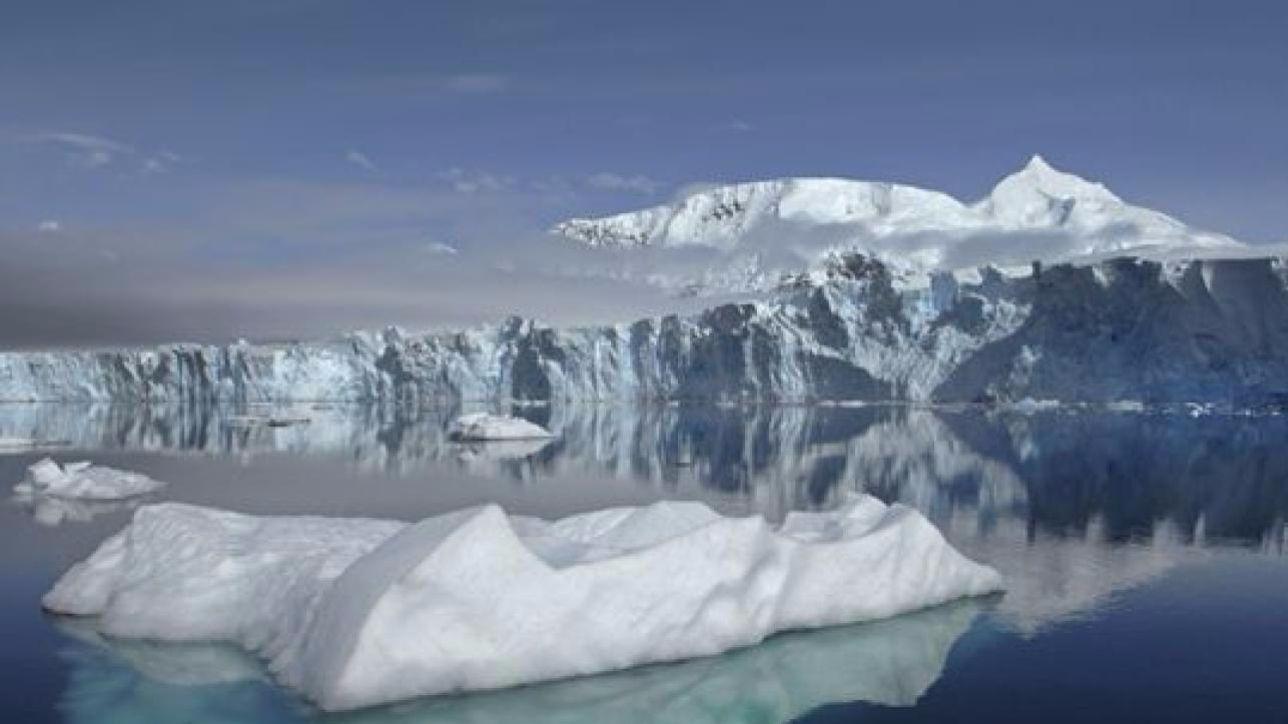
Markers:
point(181, 170)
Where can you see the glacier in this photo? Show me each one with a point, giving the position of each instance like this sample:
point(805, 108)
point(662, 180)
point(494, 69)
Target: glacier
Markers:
point(1197, 330)
point(354, 612)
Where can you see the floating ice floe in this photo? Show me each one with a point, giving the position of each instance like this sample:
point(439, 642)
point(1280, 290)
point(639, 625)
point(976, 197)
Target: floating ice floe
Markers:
point(481, 426)
point(354, 612)
point(84, 481)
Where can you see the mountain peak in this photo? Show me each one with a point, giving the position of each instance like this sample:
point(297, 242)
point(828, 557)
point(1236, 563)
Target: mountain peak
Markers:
point(1041, 195)
point(1037, 164)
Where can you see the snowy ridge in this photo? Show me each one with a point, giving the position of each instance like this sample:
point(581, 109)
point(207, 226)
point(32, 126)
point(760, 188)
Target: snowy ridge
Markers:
point(1035, 198)
point(766, 228)
point(358, 612)
point(1196, 331)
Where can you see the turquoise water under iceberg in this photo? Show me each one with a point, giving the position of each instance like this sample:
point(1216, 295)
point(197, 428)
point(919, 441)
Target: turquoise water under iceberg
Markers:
point(1144, 553)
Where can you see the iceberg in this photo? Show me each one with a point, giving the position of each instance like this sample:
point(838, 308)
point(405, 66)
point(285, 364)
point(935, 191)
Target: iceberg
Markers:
point(891, 662)
point(83, 481)
point(481, 426)
point(356, 612)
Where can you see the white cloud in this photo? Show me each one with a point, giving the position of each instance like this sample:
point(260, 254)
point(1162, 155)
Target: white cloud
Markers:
point(49, 226)
point(738, 125)
point(471, 182)
point(476, 83)
point(89, 151)
point(360, 159)
point(616, 182)
point(438, 248)
point(82, 148)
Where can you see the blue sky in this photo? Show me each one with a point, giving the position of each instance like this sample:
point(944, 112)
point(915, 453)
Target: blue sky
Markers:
point(317, 143)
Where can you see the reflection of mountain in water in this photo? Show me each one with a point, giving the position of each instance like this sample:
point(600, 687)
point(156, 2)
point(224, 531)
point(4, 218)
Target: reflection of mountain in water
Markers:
point(1213, 477)
point(889, 662)
point(1071, 507)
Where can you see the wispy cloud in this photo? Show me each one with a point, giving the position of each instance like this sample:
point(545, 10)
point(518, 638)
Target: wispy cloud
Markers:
point(82, 148)
point(472, 182)
point(360, 159)
point(616, 182)
point(476, 83)
point(49, 226)
point(93, 152)
point(737, 125)
point(438, 248)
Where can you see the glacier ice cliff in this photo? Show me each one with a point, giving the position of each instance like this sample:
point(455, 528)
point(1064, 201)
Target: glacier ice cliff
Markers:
point(1213, 330)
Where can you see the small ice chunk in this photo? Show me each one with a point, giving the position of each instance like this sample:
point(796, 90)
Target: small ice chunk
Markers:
point(354, 613)
point(481, 426)
point(84, 481)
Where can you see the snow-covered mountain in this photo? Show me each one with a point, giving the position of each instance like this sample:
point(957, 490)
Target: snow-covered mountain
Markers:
point(766, 227)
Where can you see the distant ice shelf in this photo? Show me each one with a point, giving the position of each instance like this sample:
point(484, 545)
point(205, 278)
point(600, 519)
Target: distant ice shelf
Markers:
point(355, 612)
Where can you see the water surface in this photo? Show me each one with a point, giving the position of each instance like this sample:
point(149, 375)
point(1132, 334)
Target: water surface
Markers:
point(1143, 553)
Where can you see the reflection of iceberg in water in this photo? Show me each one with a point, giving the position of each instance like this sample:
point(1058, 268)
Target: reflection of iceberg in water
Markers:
point(890, 662)
point(1053, 579)
point(52, 511)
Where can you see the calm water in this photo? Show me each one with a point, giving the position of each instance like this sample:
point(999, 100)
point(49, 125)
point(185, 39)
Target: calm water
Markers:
point(1144, 555)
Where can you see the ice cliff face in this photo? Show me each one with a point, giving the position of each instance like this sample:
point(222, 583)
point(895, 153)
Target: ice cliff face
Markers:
point(1122, 329)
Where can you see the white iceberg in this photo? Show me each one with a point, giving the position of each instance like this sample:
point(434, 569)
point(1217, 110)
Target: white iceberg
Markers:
point(83, 481)
point(481, 426)
point(891, 663)
point(355, 612)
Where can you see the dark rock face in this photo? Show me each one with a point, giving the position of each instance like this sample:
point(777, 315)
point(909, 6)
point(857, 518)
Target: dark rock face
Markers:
point(1207, 331)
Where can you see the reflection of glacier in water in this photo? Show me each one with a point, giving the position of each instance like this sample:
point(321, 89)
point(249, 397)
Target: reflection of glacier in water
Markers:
point(1072, 507)
point(889, 662)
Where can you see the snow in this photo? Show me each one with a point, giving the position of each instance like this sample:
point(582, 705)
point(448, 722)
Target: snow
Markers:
point(83, 481)
point(355, 612)
point(481, 426)
point(1036, 213)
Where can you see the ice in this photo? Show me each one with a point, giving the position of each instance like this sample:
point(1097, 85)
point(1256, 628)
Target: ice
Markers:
point(359, 612)
point(1035, 213)
point(1121, 329)
point(481, 426)
point(891, 662)
point(83, 481)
